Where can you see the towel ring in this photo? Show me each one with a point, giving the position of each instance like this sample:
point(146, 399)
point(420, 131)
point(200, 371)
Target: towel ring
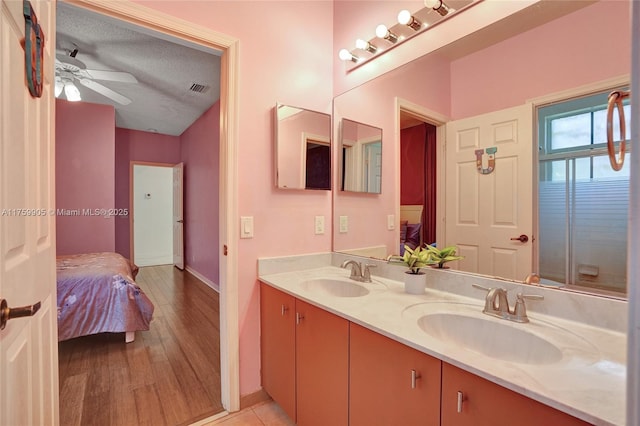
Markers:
point(615, 99)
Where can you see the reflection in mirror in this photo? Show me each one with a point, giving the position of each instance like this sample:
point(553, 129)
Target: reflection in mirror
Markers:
point(303, 148)
point(361, 157)
point(479, 83)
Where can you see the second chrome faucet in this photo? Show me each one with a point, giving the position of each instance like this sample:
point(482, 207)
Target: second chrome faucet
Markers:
point(496, 304)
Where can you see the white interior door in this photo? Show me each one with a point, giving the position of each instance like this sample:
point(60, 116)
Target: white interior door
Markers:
point(489, 202)
point(373, 166)
point(178, 218)
point(29, 345)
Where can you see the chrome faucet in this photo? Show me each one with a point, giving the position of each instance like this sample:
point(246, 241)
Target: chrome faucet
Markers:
point(358, 273)
point(496, 304)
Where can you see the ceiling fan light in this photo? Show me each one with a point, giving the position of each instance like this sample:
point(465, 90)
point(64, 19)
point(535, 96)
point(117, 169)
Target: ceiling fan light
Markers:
point(72, 93)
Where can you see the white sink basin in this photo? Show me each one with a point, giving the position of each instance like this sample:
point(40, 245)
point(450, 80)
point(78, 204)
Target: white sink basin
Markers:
point(507, 342)
point(464, 326)
point(335, 287)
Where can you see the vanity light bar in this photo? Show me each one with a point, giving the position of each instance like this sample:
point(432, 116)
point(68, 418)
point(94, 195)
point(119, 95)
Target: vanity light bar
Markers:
point(405, 19)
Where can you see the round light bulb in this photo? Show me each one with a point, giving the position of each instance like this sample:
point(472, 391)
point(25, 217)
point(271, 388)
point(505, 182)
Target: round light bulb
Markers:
point(404, 17)
point(345, 55)
point(362, 44)
point(381, 31)
point(432, 3)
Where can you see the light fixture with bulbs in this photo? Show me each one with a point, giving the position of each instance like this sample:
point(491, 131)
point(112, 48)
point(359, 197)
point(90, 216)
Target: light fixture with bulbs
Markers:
point(408, 26)
point(406, 18)
point(438, 6)
point(383, 32)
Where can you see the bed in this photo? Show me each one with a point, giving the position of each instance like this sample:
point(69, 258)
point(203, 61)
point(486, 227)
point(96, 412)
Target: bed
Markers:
point(97, 294)
point(410, 226)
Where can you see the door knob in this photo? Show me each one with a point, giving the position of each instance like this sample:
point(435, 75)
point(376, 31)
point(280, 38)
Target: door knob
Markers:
point(7, 313)
point(522, 238)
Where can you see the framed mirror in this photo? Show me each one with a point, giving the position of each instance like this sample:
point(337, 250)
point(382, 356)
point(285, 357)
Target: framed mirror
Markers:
point(360, 157)
point(302, 148)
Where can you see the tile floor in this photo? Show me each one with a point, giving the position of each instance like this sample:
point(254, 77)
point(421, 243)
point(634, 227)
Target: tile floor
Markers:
point(266, 413)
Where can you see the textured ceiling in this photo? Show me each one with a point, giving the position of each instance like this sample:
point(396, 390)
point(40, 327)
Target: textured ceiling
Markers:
point(165, 67)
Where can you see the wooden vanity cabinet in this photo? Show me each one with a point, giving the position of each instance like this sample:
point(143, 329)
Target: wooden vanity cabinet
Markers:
point(305, 359)
point(278, 345)
point(322, 367)
point(488, 404)
point(390, 383)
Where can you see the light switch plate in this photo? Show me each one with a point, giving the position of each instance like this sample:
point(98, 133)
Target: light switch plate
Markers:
point(391, 222)
point(246, 226)
point(344, 224)
point(319, 225)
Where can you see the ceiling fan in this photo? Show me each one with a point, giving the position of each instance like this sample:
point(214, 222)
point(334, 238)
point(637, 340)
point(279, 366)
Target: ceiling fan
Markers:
point(70, 70)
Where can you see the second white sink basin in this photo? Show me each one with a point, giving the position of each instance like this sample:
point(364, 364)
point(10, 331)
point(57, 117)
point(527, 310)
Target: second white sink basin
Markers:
point(507, 342)
point(335, 287)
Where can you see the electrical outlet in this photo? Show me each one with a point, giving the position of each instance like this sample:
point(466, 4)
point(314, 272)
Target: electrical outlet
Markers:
point(344, 224)
point(391, 222)
point(319, 225)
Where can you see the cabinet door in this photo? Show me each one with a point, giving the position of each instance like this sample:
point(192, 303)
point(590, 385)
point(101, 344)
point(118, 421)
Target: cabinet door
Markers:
point(390, 383)
point(485, 403)
point(277, 340)
point(322, 367)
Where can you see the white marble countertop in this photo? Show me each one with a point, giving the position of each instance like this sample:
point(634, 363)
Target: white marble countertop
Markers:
point(588, 382)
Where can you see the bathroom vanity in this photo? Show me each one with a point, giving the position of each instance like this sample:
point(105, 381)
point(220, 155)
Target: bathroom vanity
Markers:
point(340, 352)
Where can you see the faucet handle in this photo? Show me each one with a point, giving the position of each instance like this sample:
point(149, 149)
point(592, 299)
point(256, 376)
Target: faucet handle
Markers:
point(366, 272)
point(479, 287)
point(520, 310)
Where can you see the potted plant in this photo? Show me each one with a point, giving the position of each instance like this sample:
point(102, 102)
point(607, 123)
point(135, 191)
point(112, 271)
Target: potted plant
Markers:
point(440, 257)
point(414, 259)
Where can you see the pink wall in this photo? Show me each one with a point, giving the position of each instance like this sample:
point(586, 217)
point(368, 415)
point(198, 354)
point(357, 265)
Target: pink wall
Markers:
point(589, 45)
point(134, 145)
point(85, 153)
point(285, 56)
point(199, 150)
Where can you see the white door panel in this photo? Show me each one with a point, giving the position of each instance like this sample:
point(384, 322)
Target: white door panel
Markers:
point(488, 203)
point(178, 216)
point(28, 346)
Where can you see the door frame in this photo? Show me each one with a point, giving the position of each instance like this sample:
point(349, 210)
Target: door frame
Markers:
point(439, 121)
point(229, 110)
point(132, 164)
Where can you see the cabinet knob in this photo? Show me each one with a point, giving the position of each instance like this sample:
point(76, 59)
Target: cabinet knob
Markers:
point(414, 377)
point(299, 317)
point(461, 399)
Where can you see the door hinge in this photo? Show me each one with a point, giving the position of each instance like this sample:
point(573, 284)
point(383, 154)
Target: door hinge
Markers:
point(224, 250)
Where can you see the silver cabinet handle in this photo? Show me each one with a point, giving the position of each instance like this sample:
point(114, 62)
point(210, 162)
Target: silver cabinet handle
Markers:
point(460, 401)
point(299, 317)
point(283, 309)
point(414, 377)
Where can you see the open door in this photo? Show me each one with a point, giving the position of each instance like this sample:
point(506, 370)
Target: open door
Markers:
point(178, 219)
point(489, 192)
point(28, 326)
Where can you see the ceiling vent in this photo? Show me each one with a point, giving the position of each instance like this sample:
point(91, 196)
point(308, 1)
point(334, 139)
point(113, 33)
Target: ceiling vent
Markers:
point(199, 88)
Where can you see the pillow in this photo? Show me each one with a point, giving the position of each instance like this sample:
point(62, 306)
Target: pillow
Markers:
point(413, 235)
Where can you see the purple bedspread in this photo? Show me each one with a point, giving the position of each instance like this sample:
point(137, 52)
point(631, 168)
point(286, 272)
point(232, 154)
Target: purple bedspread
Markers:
point(97, 293)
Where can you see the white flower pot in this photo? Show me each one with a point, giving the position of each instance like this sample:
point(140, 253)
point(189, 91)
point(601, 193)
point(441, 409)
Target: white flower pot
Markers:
point(415, 283)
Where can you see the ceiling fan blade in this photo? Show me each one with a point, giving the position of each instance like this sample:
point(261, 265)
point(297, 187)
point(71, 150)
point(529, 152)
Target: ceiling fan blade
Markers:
point(105, 91)
point(123, 77)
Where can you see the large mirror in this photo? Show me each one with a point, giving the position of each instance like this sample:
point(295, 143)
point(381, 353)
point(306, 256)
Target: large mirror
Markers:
point(303, 148)
point(360, 157)
point(451, 100)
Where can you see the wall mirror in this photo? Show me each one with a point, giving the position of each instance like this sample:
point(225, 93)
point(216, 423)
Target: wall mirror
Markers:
point(465, 81)
point(360, 157)
point(302, 148)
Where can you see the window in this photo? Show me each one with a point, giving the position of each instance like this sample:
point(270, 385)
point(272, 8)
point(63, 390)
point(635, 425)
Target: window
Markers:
point(582, 201)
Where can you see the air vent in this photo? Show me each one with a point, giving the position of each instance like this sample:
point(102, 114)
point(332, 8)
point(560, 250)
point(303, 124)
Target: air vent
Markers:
point(199, 88)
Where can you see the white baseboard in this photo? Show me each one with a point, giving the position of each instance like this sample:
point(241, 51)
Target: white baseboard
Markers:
point(202, 278)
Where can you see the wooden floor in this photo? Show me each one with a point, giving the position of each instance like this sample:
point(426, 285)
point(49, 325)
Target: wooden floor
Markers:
point(169, 376)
